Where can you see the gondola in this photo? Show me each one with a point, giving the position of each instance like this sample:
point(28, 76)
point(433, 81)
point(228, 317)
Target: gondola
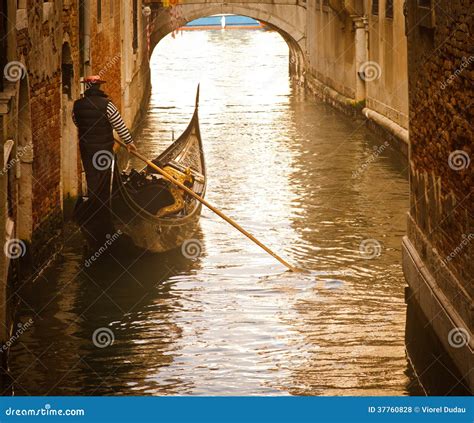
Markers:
point(153, 214)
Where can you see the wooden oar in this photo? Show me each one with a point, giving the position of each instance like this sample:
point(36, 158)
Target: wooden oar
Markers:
point(211, 207)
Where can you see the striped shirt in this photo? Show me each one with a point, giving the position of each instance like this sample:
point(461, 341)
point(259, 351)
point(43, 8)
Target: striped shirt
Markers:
point(114, 118)
point(118, 124)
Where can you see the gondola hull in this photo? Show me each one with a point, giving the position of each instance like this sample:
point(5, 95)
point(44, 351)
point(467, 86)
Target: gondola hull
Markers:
point(158, 236)
point(147, 231)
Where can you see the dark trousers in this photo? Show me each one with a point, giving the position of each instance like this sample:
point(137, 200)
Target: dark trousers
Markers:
point(98, 177)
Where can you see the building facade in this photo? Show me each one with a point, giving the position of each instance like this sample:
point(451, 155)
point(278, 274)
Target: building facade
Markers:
point(357, 61)
point(438, 249)
point(40, 76)
point(46, 49)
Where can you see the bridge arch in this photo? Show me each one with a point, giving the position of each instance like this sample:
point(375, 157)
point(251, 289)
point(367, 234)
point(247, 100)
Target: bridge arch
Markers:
point(288, 20)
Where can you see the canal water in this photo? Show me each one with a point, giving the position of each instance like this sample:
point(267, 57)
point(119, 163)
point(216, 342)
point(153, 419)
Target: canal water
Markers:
point(224, 318)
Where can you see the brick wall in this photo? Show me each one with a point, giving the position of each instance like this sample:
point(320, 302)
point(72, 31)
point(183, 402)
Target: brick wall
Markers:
point(46, 128)
point(39, 47)
point(70, 27)
point(441, 75)
point(38, 44)
point(106, 59)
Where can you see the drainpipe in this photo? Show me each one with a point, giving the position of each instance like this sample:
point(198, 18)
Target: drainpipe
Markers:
point(360, 25)
point(87, 37)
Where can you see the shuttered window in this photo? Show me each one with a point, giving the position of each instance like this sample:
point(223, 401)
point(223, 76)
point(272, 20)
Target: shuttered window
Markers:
point(99, 11)
point(424, 3)
point(135, 25)
point(375, 7)
point(389, 8)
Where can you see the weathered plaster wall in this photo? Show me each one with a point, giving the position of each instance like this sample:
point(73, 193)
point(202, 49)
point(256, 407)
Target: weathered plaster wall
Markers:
point(331, 48)
point(135, 68)
point(70, 55)
point(357, 62)
point(387, 93)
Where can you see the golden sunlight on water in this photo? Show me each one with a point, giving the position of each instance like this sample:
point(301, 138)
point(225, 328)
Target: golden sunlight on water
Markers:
point(232, 321)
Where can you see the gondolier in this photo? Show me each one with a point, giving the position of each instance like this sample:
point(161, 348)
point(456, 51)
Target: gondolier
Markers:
point(151, 212)
point(96, 117)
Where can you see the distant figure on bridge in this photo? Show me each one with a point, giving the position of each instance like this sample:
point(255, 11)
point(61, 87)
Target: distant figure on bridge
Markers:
point(96, 117)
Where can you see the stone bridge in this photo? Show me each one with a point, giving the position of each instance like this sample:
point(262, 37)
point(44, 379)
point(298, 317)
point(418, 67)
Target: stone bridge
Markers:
point(286, 17)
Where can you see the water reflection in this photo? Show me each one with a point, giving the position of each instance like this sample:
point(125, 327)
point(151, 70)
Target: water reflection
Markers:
point(233, 321)
point(133, 297)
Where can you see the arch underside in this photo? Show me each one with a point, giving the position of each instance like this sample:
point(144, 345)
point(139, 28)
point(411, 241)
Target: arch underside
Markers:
point(168, 21)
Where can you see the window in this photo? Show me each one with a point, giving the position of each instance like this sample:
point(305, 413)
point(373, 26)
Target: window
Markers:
point(135, 26)
point(3, 37)
point(99, 11)
point(424, 3)
point(375, 7)
point(10, 168)
point(389, 8)
point(67, 73)
point(67, 70)
point(425, 14)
